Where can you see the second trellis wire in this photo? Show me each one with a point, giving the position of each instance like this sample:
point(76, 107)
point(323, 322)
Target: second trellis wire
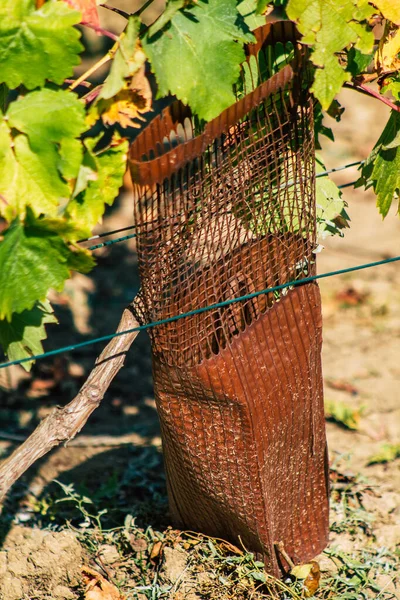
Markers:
point(106, 338)
point(133, 235)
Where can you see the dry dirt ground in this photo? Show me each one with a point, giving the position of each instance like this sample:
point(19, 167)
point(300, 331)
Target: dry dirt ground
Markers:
point(49, 532)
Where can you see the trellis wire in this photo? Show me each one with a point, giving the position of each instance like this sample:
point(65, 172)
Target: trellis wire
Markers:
point(106, 338)
point(122, 239)
point(105, 233)
point(110, 242)
point(133, 235)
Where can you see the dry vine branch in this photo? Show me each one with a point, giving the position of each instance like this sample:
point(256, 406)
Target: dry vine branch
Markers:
point(65, 422)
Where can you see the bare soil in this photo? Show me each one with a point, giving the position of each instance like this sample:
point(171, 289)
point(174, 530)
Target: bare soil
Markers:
point(116, 462)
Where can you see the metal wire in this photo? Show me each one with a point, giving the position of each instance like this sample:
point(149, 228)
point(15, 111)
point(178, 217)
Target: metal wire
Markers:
point(353, 164)
point(106, 233)
point(101, 235)
point(345, 185)
point(110, 242)
point(106, 338)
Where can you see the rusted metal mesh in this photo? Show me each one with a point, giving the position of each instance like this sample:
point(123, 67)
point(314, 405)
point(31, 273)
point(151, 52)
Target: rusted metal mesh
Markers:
point(221, 211)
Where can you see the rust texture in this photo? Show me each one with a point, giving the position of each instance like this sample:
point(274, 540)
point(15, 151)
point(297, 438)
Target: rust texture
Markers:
point(221, 211)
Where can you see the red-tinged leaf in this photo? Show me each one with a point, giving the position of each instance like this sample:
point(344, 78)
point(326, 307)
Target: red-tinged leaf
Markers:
point(88, 8)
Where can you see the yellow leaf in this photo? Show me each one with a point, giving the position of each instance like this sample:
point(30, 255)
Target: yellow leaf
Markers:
point(301, 571)
point(127, 107)
point(390, 9)
point(97, 587)
point(386, 59)
point(311, 575)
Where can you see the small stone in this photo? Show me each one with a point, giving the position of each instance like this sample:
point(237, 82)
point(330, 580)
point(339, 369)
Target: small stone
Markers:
point(61, 592)
point(138, 545)
point(109, 554)
point(3, 563)
point(175, 561)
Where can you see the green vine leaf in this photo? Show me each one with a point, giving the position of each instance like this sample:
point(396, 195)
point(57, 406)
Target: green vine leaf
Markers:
point(127, 60)
point(40, 156)
point(357, 62)
point(103, 175)
point(198, 58)
point(382, 168)
point(330, 27)
point(22, 337)
point(37, 44)
point(331, 212)
point(50, 115)
point(251, 11)
point(33, 259)
point(172, 7)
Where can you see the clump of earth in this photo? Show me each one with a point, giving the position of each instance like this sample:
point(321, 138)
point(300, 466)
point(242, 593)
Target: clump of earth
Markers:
point(40, 564)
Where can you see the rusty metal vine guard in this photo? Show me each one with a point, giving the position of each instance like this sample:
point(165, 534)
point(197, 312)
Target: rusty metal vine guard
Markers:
point(223, 210)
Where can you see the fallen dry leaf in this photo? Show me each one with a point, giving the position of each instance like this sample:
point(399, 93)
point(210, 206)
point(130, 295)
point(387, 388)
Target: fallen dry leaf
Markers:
point(351, 297)
point(310, 574)
point(311, 582)
point(341, 385)
point(156, 551)
point(97, 587)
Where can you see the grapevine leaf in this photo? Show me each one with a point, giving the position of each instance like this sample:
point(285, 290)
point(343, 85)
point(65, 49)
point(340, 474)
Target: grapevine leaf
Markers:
point(48, 115)
point(80, 260)
point(329, 206)
point(126, 106)
point(198, 59)
point(357, 62)
point(172, 7)
point(389, 9)
point(36, 165)
point(392, 85)
point(386, 57)
point(319, 127)
point(251, 11)
point(328, 81)
point(33, 259)
point(88, 10)
point(27, 177)
point(3, 97)
point(262, 6)
point(122, 109)
point(330, 27)
point(71, 155)
point(22, 336)
point(127, 60)
point(382, 168)
point(87, 208)
point(37, 44)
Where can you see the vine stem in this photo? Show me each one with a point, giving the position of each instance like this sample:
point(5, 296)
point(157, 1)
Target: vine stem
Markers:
point(363, 89)
point(86, 84)
point(116, 10)
point(100, 30)
point(65, 422)
point(104, 60)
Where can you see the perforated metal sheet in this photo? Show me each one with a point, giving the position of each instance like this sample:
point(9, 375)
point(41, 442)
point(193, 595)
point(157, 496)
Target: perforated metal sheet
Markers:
point(222, 211)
